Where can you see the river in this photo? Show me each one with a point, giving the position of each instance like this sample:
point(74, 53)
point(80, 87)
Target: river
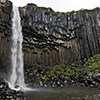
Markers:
point(65, 93)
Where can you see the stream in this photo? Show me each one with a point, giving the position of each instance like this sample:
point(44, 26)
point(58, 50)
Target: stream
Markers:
point(65, 93)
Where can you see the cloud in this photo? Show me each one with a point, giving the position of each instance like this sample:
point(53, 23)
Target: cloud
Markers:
point(61, 5)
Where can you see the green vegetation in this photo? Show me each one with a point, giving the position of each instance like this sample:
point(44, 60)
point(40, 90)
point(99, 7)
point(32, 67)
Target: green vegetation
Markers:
point(58, 14)
point(64, 72)
point(92, 66)
point(73, 11)
point(92, 12)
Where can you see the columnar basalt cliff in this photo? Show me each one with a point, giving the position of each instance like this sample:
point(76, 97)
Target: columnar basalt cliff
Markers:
point(50, 38)
point(53, 38)
point(5, 35)
point(47, 39)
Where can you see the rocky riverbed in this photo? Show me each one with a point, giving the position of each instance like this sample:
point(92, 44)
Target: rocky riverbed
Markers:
point(7, 94)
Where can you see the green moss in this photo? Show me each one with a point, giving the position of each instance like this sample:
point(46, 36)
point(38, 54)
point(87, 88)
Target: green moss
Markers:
point(73, 11)
point(59, 15)
point(88, 69)
point(92, 12)
point(44, 8)
point(30, 74)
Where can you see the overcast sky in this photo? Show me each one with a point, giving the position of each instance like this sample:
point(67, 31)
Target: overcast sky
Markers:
point(61, 5)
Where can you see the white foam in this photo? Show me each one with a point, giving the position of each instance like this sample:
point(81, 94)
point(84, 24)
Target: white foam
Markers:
point(24, 88)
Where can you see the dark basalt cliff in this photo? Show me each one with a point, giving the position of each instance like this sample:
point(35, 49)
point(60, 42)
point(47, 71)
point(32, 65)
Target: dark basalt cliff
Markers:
point(5, 35)
point(50, 38)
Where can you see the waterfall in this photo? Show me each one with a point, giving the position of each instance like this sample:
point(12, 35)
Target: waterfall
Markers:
point(17, 74)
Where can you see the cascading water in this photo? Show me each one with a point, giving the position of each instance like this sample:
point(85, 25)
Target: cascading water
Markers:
point(17, 75)
point(17, 72)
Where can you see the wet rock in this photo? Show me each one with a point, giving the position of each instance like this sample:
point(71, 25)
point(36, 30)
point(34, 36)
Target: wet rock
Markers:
point(7, 93)
point(16, 86)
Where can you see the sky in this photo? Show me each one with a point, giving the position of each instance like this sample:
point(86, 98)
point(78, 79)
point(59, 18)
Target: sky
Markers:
point(61, 5)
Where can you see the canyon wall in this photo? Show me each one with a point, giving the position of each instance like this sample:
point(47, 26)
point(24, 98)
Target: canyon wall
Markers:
point(53, 38)
point(50, 38)
point(5, 35)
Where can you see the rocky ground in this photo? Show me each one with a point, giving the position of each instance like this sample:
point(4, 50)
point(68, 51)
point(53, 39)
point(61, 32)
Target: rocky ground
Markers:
point(86, 73)
point(7, 94)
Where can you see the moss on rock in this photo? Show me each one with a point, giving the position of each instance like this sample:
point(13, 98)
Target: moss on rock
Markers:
point(73, 73)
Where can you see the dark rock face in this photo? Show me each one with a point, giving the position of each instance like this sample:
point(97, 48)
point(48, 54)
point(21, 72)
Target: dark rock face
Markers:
point(5, 35)
point(50, 38)
point(47, 39)
point(7, 94)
